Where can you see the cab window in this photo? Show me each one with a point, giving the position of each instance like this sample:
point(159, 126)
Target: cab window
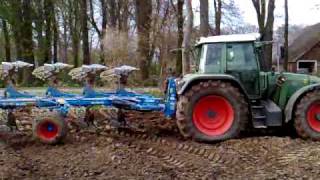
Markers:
point(242, 64)
point(211, 58)
point(241, 56)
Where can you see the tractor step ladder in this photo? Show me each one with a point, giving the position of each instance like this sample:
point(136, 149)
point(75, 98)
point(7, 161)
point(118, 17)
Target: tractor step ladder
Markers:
point(258, 116)
point(266, 114)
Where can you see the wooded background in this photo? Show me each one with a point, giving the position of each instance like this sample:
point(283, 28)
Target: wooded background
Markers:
point(151, 34)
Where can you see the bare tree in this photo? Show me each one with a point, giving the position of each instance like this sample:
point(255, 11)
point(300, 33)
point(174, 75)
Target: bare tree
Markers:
point(204, 18)
point(187, 39)
point(123, 15)
point(143, 19)
point(265, 22)
point(7, 44)
point(102, 30)
point(49, 16)
point(112, 8)
point(27, 41)
point(62, 8)
point(74, 23)
point(286, 36)
point(84, 32)
point(55, 39)
point(180, 20)
point(39, 25)
point(218, 14)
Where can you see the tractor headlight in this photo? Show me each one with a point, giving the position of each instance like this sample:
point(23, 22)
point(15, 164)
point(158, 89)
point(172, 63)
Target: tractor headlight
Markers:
point(281, 80)
point(61, 101)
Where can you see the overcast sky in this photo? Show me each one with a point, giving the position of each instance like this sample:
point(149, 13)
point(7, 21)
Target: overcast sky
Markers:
point(304, 12)
point(301, 12)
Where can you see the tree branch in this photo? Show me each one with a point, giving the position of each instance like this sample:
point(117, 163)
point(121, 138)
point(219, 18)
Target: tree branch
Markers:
point(91, 19)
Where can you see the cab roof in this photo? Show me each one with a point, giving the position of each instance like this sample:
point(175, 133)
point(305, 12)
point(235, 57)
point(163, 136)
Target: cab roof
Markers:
point(229, 38)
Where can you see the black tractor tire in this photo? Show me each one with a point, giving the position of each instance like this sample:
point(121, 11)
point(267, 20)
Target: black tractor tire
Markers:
point(219, 89)
point(50, 128)
point(306, 122)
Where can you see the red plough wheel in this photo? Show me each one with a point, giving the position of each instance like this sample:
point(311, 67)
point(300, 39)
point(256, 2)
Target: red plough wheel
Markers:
point(47, 130)
point(50, 129)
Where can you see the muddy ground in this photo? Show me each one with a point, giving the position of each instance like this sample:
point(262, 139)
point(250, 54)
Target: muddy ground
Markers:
point(155, 150)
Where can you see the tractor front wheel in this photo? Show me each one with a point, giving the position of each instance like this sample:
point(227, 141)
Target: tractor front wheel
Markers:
point(307, 116)
point(50, 128)
point(212, 111)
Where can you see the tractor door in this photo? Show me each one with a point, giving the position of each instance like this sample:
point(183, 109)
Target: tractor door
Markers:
point(242, 64)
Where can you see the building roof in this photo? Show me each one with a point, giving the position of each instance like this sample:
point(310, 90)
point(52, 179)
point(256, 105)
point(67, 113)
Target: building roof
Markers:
point(230, 38)
point(305, 41)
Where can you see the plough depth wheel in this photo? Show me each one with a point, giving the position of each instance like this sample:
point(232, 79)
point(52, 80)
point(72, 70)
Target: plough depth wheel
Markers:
point(50, 128)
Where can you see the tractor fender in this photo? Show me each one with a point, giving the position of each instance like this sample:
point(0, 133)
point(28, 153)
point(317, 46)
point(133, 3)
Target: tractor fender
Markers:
point(189, 81)
point(296, 97)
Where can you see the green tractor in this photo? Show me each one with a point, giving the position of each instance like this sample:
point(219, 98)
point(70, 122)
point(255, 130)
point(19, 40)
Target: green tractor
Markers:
point(230, 92)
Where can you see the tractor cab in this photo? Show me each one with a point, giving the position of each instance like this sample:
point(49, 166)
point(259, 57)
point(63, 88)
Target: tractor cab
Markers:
point(233, 55)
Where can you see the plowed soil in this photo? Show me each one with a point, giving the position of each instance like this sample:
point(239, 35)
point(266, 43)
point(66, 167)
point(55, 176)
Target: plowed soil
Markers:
point(156, 151)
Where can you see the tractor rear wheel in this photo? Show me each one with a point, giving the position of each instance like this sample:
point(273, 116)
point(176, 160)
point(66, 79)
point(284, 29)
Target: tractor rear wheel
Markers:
point(212, 111)
point(50, 128)
point(307, 116)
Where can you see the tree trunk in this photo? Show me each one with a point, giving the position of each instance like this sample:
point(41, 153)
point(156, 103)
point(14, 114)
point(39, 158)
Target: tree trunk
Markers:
point(17, 28)
point(187, 39)
point(268, 34)
point(40, 41)
point(123, 19)
point(218, 12)
point(286, 34)
point(17, 43)
point(112, 14)
point(48, 13)
point(55, 40)
point(143, 16)
point(7, 44)
point(39, 23)
point(73, 8)
point(265, 29)
point(103, 30)
point(180, 21)
point(204, 20)
point(84, 32)
point(65, 41)
point(27, 41)
point(75, 50)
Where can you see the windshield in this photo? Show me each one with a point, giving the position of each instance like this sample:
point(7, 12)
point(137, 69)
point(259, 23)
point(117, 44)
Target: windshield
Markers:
point(210, 58)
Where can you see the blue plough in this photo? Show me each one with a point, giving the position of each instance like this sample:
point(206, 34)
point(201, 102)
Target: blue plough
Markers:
point(52, 129)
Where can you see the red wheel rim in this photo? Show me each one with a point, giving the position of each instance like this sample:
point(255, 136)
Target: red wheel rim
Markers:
point(47, 130)
point(213, 115)
point(313, 116)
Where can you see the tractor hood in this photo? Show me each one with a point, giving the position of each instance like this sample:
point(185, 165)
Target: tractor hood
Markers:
point(289, 84)
point(304, 78)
